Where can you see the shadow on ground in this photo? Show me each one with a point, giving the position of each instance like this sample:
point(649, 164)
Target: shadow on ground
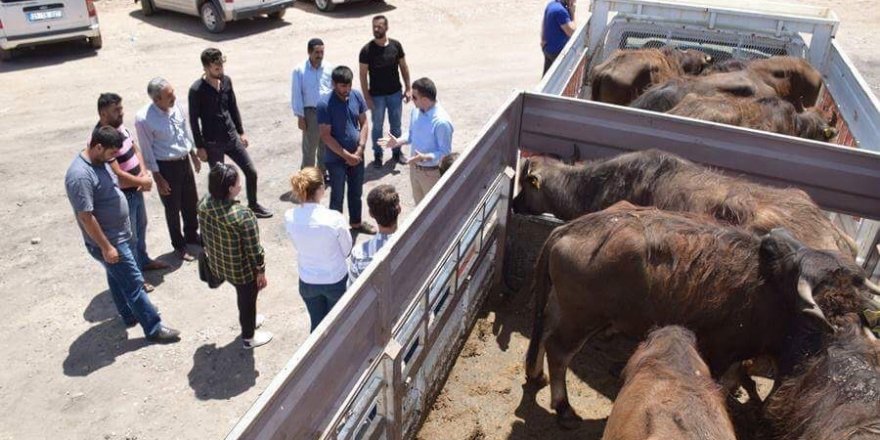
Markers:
point(192, 25)
point(99, 347)
point(348, 10)
point(47, 55)
point(222, 373)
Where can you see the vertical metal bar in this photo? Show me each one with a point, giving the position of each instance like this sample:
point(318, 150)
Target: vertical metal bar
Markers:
point(598, 23)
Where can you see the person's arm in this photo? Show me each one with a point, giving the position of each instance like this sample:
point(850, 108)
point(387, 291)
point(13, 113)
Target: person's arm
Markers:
point(252, 249)
point(343, 236)
point(404, 72)
point(194, 114)
point(145, 140)
point(233, 110)
point(443, 137)
point(362, 139)
point(126, 179)
point(296, 94)
point(93, 229)
point(364, 71)
point(331, 142)
point(566, 20)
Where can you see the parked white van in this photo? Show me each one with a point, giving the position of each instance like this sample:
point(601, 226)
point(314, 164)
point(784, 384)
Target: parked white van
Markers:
point(215, 13)
point(34, 22)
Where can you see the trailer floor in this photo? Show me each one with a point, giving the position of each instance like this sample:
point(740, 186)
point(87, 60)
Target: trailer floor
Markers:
point(484, 396)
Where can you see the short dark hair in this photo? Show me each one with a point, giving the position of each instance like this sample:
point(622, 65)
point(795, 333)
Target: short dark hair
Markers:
point(211, 55)
point(221, 178)
point(426, 88)
point(107, 137)
point(342, 75)
point(383, 18)
point(314, 42)
point(446, 162)
point(384, 204)
point(108, 99)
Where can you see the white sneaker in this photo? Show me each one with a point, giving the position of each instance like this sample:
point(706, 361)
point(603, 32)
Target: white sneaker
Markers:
point(260, 338)
point(260, 320)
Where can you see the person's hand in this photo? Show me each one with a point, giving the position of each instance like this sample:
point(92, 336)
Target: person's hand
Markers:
point(262, 282)
point(407, 95)
point(162, 184)
point(369, 100)
point(351, 159)
point(111, 255)
point(389, 142)
point(197, 164)
point(416, 159)
point(301, 123)
point(244, 141)
point(202, 154)
point(147, 184)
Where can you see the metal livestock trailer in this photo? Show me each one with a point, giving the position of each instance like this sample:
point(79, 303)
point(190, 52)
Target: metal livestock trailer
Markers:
point(374, 365)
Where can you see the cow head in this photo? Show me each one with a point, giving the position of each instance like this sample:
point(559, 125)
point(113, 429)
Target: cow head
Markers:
point(812, 124)
point(824, 285)
point(795, 76)
point(692, 61)
point(531, 198)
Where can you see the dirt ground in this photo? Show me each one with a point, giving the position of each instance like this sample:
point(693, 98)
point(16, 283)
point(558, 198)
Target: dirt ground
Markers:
point(72, 370)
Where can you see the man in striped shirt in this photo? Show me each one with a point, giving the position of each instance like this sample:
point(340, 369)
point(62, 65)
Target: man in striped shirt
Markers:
point(383, 203)
point(133, 177)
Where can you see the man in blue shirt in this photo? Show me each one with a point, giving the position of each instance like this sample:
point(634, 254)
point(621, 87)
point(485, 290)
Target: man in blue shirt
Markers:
point(310, 81)
point(430, 134)
point(557, 28)
point(342, 121)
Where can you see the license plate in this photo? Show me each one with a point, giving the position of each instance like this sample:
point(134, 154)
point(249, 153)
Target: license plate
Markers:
point(43, 15)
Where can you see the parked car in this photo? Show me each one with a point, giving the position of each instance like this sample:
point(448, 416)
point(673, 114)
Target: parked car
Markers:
point(329, 5)
point(34, 22)
point(216, 13)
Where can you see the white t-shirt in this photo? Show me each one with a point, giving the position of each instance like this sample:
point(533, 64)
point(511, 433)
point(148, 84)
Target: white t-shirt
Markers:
point(322, 241)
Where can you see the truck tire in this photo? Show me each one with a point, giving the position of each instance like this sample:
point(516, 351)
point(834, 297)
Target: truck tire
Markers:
point(6, 54)
point(211, 17)
point(325, 5)
point(148, 7)
point(96, 42)
point(278, 15)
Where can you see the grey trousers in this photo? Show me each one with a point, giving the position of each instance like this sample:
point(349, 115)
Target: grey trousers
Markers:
point(312, 147)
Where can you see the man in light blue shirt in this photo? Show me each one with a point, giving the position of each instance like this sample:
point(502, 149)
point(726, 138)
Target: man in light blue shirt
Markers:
point(430, 134)
point(167, 145)
point(310, 81)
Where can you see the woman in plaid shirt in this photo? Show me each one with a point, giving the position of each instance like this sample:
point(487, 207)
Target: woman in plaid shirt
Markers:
point(232, 242)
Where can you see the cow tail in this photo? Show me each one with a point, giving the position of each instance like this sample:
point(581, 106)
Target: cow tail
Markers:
point(541, 284)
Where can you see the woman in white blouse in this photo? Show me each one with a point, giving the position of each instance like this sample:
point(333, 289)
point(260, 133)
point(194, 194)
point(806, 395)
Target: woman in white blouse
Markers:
point(322, 241)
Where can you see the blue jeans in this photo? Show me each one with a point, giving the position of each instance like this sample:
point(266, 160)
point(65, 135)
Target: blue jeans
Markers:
point(127, 289)
point(320, 298)
point(394, 105)
point(137, 214)
point(340, 175)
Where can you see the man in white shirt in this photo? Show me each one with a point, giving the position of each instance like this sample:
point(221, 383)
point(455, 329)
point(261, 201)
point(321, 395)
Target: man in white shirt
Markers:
point(310, 80)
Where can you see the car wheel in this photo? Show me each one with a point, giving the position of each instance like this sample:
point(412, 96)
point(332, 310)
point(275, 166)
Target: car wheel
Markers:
point(96, 42)
point(6, 54)
point(148, 7)
point(278, 15)
point(212, 19)
point(325, 5)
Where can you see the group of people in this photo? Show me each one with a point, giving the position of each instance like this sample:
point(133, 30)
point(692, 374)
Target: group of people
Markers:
point(107, 180)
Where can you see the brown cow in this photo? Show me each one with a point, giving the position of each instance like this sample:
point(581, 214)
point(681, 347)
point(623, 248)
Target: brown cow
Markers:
point(836, 395)
point(627, 73)
point(635, 268)
point(789, 78)
point(768, 114)
point(668, 393)
point(657, 178)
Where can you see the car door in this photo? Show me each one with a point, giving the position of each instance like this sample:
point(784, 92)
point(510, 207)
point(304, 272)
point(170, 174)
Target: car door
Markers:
point(32, 18)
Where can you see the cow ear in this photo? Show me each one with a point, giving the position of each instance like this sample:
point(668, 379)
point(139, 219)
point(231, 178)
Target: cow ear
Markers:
point(807, 305)
point(829, 133)
point(534, 180)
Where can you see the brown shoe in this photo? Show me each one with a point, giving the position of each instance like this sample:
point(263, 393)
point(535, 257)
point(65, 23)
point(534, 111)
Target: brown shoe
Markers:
point(149, 287)
point(184, 255)
point(156, 265)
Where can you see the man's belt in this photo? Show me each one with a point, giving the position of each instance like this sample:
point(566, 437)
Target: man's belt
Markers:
point(435, 167)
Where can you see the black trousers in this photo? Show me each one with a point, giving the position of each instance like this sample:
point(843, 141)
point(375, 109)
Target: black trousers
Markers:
point(548, 61)
point(240, 156)
point(247, 308)
point(182, 202)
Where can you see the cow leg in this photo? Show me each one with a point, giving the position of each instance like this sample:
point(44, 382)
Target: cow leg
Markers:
point(561, 346)
point(535, 371)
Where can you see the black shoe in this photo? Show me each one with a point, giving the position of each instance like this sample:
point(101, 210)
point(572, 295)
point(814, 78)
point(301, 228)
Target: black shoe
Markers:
point(377, 164)
point(260, 211)
point(164, 335)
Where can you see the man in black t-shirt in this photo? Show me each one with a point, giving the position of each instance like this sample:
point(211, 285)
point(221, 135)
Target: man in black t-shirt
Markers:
point(382, 62)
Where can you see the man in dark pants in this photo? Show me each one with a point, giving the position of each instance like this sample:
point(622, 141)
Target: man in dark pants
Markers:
point(342, 120)
point(382, 63)
point(168, 150)
point(212, 103)
point(102, 215)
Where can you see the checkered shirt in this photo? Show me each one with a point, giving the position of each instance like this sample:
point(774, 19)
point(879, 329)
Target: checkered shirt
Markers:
point(232, 240)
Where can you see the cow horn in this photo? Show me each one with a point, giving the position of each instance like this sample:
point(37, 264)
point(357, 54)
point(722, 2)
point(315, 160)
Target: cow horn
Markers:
point(872, 287)
point(809, 306)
